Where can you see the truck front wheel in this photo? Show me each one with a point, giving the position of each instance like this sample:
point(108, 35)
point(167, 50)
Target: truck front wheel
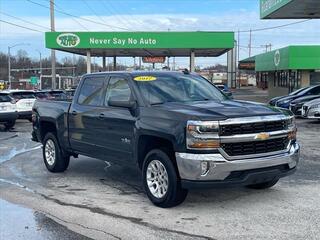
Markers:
point(53, 156)
point(161, 181)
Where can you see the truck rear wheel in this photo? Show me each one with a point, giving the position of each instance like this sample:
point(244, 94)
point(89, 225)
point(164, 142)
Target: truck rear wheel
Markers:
point(53, 156)
point(264, 185)
point(161, 181)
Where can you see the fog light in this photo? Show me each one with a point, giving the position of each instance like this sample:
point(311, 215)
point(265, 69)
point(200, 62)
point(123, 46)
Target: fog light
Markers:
point(204, 168)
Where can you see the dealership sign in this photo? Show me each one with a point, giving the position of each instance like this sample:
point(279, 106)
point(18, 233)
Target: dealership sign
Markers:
point(153, 59)
point(139, 40)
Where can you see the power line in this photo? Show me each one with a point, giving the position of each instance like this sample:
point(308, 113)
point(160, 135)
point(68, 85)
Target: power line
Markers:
point(112, 11)
point(82, 18)
point(274, 27)
point(35, 24)
point(17, 25)
point(74, 19)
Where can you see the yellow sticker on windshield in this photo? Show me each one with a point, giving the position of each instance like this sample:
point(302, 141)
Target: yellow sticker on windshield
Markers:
point(145, 78)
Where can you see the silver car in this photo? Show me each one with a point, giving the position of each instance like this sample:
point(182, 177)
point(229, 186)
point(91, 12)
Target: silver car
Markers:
point(311, 109)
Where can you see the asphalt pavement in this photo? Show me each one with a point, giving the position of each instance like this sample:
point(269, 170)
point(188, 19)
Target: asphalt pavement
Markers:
point(99, 200)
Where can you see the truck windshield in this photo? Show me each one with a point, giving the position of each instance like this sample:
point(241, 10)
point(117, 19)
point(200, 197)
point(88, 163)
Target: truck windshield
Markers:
point(188, 88)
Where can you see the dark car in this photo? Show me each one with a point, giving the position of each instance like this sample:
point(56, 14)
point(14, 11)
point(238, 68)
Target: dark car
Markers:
point(296, 105)
point(51, 94)
point(285, 102)
point(273, 101)
point(224, 89)
point(176, 127)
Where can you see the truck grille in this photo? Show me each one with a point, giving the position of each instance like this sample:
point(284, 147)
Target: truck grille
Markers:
point(257, 127)
point(247, 148)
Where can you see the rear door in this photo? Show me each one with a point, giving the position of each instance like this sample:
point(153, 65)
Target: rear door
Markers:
point(118, 122)
point(84, 122)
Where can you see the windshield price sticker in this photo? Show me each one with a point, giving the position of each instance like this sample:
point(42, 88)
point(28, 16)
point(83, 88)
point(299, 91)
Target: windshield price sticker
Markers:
point(145, 78)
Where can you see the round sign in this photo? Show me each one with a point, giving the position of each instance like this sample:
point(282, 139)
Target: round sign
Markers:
point(276, 58)
point(68, 40)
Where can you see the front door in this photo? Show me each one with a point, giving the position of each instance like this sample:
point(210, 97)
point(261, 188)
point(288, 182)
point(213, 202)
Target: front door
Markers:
point(118, 122)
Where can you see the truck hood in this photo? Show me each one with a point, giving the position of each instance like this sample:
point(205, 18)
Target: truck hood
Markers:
point(220, 110)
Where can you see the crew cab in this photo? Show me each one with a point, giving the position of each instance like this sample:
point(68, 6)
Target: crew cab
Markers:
point(177, 127)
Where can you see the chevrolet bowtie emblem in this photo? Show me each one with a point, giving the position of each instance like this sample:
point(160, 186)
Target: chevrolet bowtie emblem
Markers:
point(262, 136)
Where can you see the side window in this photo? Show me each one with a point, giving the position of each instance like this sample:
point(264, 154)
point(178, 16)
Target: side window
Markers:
point(117, 90)
point(315, 91)
point(91, 92)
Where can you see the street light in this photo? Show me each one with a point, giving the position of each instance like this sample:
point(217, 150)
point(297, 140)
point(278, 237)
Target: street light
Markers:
point(9, 60)
point(40, 70)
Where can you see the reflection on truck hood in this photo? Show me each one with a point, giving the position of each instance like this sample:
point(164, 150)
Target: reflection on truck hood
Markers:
point(220, 110)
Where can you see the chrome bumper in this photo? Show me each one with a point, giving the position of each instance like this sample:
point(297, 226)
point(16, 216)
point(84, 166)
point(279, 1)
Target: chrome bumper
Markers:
point(219, 168)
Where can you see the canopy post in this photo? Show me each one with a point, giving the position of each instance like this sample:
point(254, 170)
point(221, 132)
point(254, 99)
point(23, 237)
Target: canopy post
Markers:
point(88, 61)
point(114, 63)
point(192, 57)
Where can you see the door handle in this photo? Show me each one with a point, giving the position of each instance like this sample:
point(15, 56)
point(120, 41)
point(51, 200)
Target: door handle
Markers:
point(74, 113)
point(101, 116)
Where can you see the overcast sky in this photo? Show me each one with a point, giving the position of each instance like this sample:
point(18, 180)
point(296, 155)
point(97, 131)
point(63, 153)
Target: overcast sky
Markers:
point(151, 15)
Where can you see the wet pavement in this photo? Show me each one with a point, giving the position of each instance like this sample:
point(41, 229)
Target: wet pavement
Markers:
point(102, 200)
point(17, 222)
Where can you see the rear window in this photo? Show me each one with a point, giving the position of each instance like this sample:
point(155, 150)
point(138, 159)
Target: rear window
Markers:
point(23, 95)
point(5, 98)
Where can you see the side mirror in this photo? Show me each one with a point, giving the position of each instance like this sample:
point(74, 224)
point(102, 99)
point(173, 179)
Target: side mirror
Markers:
point(123, 104)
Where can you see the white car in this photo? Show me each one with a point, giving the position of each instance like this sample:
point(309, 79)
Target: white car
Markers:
point(8, 110)
point(24, 102)
point(311, 109)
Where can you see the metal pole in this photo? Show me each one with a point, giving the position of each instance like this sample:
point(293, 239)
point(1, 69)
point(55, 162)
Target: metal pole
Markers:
point(104, 63)
point(239, 75)
point(168, 62)
point(88, 61)
point(53, 53)
point(250, 44)
point(9, 68)
point(192, 57)
point(114, 63)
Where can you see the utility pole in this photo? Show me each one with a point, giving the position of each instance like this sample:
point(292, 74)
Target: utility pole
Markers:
point(9, 68)
point(250, 43)
point(239, 76)
point(53, 53)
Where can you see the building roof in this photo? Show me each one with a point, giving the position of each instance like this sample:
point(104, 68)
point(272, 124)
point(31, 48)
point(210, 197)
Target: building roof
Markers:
point(289, 58)
point(141, 44)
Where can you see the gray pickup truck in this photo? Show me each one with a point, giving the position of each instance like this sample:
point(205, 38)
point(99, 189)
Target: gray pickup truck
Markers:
point(178, 128)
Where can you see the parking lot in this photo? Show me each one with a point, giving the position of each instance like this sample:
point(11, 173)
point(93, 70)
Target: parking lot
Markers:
point(100, 200)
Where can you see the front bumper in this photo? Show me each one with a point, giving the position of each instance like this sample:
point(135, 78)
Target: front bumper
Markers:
point(8, 116)
point(235, 172)
point(25, 114)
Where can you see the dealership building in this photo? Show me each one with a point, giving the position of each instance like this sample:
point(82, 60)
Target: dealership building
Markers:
point(286, 69)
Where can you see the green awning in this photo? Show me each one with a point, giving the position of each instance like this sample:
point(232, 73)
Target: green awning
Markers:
point(141, 43)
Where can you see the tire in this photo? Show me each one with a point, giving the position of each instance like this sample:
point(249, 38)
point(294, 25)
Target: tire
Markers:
point(10, 124)
point(264, 185)
point(159, 168)
point(53, 156)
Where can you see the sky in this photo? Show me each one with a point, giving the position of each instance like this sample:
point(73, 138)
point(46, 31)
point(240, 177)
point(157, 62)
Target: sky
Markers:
point(150, 15)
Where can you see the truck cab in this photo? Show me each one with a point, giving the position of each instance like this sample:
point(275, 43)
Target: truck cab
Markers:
point(177, 127)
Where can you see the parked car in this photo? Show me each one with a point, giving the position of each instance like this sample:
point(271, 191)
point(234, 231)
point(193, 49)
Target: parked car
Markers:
point(296, 105)
point(311, 109)
point(177, 127)
point(8, 110)
point(224, 89)
point(285, 102)
point(51, 94)
point(273, 101)
point(24, 102)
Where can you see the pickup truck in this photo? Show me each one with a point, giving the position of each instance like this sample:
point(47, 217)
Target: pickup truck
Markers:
point(177, 127)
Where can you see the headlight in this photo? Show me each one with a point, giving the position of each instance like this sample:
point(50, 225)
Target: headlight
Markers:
point(292, 135)
point(202, 135)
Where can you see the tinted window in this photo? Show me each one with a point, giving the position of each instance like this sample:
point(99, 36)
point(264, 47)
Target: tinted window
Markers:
point(23, 95)
point(180, 88)
point(91, 92)
point(315, 91)
point(4, 98)
point(117, 90)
